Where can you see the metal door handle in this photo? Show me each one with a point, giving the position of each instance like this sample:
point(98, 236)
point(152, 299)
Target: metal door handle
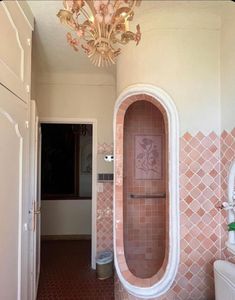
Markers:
point(35, 213)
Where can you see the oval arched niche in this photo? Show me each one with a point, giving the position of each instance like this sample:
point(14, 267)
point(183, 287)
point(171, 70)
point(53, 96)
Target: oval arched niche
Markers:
point(145, 282)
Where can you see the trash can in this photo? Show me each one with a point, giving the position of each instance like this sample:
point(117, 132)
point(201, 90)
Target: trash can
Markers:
point(104, 265)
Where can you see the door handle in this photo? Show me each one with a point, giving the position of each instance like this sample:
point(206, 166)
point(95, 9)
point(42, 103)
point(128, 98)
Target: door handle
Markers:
point(35, 213)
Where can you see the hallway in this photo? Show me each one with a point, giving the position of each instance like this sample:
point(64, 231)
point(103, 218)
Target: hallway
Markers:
point(66, 273)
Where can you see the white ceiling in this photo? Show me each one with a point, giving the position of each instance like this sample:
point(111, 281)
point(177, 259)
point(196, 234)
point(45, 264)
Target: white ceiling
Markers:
point(53, 54)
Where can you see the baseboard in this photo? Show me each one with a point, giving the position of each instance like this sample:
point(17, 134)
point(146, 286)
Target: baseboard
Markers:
point(70, 237)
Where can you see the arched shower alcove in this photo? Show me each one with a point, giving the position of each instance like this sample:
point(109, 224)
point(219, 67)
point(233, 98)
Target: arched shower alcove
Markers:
point(146, 191)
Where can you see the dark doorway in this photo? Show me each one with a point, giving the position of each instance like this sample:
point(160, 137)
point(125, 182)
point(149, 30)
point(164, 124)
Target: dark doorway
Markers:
point(66, 161)
point(66, 187)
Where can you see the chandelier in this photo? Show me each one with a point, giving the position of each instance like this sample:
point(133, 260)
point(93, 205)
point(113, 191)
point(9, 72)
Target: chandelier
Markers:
point(99, 26)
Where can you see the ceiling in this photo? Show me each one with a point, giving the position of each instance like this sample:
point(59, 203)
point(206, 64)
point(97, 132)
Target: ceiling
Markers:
point(51, 51)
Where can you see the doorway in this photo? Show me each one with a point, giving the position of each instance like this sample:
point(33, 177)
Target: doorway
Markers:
point(66, 169)
point(76, 182)
point(67, 262)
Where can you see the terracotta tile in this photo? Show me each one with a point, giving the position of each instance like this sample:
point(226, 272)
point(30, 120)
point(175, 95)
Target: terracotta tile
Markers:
point(187, 136)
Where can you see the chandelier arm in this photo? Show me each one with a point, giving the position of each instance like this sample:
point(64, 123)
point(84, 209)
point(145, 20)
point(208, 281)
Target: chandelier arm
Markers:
point(91, 6)
point(103, 29)
point(85, 14)
point(71, 25)
point(121, 42)
point(107, 31)
point(125, 42)
point(91, 53)
point(115, 24)
point(132, 8)
point(112, 28)
point(88, 29)
point(110, 58)
point(99, 29)
point(99, 61)
point(88, 39)
point(116, 2)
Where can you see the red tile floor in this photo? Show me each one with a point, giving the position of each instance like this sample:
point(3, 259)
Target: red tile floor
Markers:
point(66, 273)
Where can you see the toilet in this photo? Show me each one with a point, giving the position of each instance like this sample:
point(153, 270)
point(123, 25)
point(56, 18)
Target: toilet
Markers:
point(224, 273)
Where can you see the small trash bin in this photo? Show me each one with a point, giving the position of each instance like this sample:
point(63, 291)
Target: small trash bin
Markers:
point(104, 265)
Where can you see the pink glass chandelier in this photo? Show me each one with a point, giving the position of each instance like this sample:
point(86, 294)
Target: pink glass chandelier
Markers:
point(99, 26)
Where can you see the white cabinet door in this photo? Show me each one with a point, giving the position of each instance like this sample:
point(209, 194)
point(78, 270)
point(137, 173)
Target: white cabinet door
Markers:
point(15, 49)
point(14, 153)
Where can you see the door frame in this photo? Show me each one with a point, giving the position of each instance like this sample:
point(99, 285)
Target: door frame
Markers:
point(35, 148)
point(92, 122)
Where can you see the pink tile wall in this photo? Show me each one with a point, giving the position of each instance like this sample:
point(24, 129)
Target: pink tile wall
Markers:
point(104, 221)
point(130, 277)
point(201, 230)
point(144, 173)
point(200, 219)
point(227, 156)
point(105, 148)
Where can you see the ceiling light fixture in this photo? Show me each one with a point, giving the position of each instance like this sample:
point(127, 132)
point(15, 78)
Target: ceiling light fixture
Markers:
point(99, 25)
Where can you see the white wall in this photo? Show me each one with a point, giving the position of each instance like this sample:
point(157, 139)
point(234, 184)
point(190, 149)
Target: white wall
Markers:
point(83, 96)
point(66, 217)
point(180, 53)
point(69, 95)
point(228, 69)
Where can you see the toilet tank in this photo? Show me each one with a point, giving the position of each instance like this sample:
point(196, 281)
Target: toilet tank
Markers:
point(224, 273)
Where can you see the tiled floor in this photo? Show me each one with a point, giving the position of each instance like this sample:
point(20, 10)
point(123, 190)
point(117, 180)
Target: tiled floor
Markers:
point(66, 273)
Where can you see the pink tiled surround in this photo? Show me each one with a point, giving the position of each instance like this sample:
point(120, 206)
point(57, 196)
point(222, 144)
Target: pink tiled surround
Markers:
point(105, 217)
point(200, 219)
point(105, 148)
point(144, 173)
point(201, 233)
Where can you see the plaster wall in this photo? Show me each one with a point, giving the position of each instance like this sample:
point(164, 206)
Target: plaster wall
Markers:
point(180, 53)
point(66, 217)
point(228, 70)
point(85, 96)
point(82, 96)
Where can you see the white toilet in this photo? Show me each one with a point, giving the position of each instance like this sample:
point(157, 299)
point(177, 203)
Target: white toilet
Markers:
point(224, 273)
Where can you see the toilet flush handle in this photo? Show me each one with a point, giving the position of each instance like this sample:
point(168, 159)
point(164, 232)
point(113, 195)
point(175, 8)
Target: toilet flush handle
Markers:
point(227, 206)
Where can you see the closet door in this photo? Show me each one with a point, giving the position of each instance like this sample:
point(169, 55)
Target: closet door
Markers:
point(13, 196)
point(15, 49)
